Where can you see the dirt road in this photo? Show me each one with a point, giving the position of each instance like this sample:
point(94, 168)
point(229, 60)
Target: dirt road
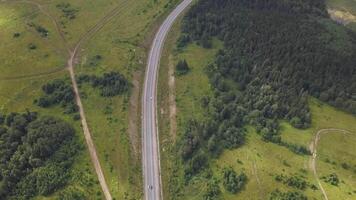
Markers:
point(313, 150)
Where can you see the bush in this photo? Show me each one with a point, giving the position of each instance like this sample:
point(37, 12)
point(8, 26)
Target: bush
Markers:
point(32, 46)
point(233, 182)
point(345, 166)
point(110, 84)
point(16, 35)
point(182, 68)
point(292, 181)
point(42, 31)
point(333, 179)
point(58, 92)
point(67, 10)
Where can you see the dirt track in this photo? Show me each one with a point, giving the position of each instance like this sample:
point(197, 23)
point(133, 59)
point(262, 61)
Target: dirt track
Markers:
point(71, 62)
point(70, 66)
point(313, 150)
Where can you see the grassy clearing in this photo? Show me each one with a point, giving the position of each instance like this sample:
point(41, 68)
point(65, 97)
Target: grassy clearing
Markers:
point(343, 11)
point(16, 58)
point(261, 161)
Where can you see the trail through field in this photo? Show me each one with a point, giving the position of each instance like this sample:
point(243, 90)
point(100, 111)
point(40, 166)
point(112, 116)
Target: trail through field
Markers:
point(71, 62)
point(70, 66)
point(313, 148)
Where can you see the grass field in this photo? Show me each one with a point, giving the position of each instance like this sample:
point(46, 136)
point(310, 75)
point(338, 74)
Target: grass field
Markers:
point(122, 43)
point(261, 161)
point(345, 10)
point(15, 56)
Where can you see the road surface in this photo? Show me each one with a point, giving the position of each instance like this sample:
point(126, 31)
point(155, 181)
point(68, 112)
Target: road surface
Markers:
point(150, 143)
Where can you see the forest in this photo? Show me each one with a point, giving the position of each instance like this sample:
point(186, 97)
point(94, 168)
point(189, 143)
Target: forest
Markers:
point(36, 153)
point(277, 54)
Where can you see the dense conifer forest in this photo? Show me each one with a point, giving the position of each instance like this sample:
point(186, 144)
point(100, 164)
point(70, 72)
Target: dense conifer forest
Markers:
point(276, 55)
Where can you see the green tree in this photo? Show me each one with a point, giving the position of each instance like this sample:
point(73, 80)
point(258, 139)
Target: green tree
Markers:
point(232, 181)
point(182, 67)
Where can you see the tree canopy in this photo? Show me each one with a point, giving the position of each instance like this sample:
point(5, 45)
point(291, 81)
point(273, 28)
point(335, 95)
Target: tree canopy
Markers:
point(35, 155)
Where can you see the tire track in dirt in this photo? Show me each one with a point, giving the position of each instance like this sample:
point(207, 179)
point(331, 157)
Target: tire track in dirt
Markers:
point(313, 149)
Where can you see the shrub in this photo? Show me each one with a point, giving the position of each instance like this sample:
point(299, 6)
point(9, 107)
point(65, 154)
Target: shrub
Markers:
point(32, 46)
point(41, 30)
point(16, 35)
point(182, 67)
point(111, 84)
point(233, 182)
point(58, 92)
point(333, 179)
point(345, 166)
point(67, 10)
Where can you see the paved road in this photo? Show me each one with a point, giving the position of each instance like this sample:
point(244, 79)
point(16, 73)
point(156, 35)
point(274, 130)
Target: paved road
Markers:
point(150, 143)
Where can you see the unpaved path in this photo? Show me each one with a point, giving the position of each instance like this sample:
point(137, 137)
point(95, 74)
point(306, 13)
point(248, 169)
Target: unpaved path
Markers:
point(255, 173)
point(70, 66)
point(28, 76)
point(71, 63)
point(313, 148)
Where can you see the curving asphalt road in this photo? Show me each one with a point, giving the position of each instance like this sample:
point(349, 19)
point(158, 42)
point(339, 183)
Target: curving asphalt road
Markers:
point(150, 143)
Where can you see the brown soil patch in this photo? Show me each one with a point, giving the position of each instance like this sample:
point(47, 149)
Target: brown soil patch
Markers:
point(172, 99)
point(342, 16)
